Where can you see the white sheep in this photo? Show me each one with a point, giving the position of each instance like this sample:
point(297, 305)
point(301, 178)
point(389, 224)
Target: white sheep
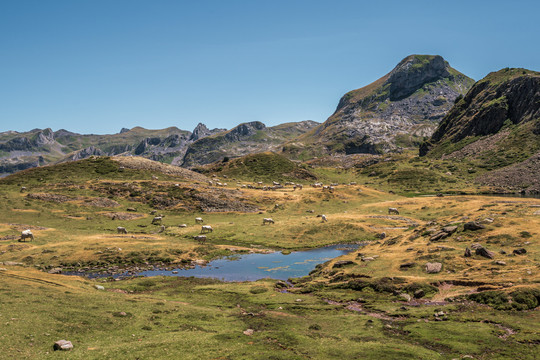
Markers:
point(121, 230)
point(393, 211)
point(157, 220)
point(206, 229)
point(268, 221)
point(200, 238)
point(27, 234)
point(199, 220)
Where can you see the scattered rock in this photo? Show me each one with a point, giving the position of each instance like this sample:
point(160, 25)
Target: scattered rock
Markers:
point(3, 269)
point(63, 345)
point(500, 262)
point(476, 246)
point(433, 268)
point(368, 258)
point(342, 263)
point(418, 294)
point(485, 253)
point(55, 271)
point(467, 252)
point(439, 236)
point(12, 263)
point(406, 265)
point(249, 332)
point(473, 226)
point(281, 285)
point(520, 251)
point(449, 229)
point(406, 296)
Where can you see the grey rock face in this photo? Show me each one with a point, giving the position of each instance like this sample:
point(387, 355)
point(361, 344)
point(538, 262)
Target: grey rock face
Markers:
point(85, 153)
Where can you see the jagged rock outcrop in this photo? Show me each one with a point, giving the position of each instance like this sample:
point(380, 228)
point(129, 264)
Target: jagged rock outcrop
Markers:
point(396, 111)
point(246, 138)
point(87, 152)
point(202, 131)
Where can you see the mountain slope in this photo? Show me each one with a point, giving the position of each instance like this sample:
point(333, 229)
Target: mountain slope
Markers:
point(396, 111)
point(496, 124)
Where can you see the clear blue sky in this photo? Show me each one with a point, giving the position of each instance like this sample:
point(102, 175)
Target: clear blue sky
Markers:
point(96, 66)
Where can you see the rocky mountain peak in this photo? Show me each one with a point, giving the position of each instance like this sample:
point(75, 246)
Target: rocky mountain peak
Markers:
point(44, 137)
point(200, 131)
point(413, 72)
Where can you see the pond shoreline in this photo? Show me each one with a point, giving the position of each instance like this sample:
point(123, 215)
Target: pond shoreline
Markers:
point(321, 255)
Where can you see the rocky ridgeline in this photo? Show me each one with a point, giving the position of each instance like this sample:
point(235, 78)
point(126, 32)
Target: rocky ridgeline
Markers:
point(172, 145)
point(393, 112)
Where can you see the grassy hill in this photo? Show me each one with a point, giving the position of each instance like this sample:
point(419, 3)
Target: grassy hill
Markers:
point(376, 302)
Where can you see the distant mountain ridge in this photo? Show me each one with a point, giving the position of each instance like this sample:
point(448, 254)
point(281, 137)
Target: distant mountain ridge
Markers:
point(396, 111)
point(19, 151)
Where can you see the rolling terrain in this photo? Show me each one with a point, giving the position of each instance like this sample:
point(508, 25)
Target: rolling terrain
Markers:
point(479, 298)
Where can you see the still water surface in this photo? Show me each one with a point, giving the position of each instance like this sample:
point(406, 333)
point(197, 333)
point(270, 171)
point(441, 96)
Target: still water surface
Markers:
point(251, 267)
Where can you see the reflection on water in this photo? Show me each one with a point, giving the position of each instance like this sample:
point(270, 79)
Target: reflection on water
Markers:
point(251, 267)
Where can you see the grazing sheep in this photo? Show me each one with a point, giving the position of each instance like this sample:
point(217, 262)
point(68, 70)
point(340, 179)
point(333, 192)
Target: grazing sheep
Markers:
point(297, 186)
point(157, 220)
point(393, 211)
point(206, 229)
point(161, 229)
point(323, 218)
point(23, 188)
point(268, 221)
point(154, 177)
point(198, 220)
point(121, 230)
point(200, 238)
point(26, 234)
point(182, 225)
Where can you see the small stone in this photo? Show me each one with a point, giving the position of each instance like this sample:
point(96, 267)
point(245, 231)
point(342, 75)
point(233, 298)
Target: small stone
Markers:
point(63, 345)
point(249, 332)
point(473, 226)
point(467, 252)
point(298, 300)
point(406, 265)
point(55, 271)
point(418, 294)
point(499, 262)
point(122, 313)
point(405, 296)
point(520, 251)
point(433, 268)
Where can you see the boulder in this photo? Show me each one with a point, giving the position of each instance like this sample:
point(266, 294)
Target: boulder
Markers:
point(449, 229)
point(467, 252)
point(55, 271)
point(368, 258)
point(63, 345)
point(500, 262)
point(405, 296)
point(520, 251)
point(439, 236)
point(473, 226)
point(485, 253)
point(418, 294)
point(406, 265)
point(342, 263)
point(476, 246)
point(433, 268)
point(249, 332)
